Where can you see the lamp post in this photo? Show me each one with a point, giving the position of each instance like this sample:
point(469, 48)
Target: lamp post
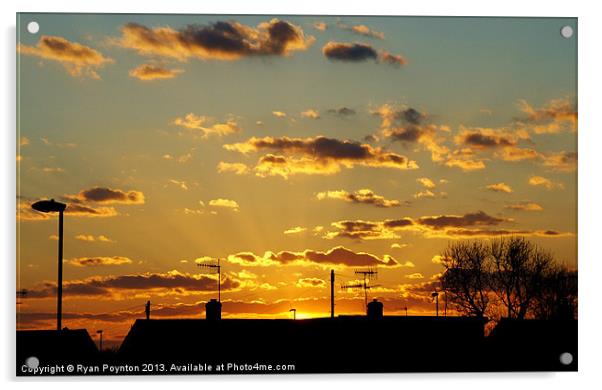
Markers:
point(294, 313)
point(435, 296)
point(51, 206)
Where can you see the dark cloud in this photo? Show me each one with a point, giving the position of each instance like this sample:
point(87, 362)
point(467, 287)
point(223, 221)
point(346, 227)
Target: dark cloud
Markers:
point(336, 256)
point(99, 261)
point(107, 195)
point(106, 286)
point(342, 111)
point(479, 218)
point(222, 40)
point(352, 52)
point(480, 140)
point(318, 155)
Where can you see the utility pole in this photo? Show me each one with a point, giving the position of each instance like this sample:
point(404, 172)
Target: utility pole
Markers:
point(331, 293)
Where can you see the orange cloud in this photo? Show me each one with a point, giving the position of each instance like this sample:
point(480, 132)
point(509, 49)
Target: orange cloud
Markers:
point(311, 282)
point(224, 203)
point(149, 72)
point(77, 59)
point(310, 114)
point(361, 29)
point(236, 168)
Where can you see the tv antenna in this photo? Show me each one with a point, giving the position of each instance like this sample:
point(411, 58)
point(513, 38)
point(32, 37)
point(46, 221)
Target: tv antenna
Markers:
point(367, 275)
point(214, 267)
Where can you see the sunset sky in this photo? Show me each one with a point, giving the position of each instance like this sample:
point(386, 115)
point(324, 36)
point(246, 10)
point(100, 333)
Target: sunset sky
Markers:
point(286, 146)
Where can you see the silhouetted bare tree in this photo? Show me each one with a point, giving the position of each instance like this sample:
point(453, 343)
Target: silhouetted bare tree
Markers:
point(519, 273)
point(512, 273)
point(466, 277)
point(558, 296)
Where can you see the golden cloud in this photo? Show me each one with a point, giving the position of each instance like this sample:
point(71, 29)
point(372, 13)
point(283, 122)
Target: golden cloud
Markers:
point(149, 72)
point(107, 195)
point(198, 122)
point(224, 203)
point(362, 196)
point(557, 115)
point(77, 59)
point(525, 206)
point(544, 182)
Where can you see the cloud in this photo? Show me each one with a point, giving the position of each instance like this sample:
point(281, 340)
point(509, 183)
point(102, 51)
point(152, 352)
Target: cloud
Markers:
point(149, 72)
point(415, 275)
point(361, 29)
point(352, 52)
point(429, 226)
point(24, 141)
point(392, 59)
point(198, 122)
point(424, 194)
point(180, 183)
point(125, 286)
point(279, 114)
point(321, 26)
point(500, 187)
point(561, 161)
point(310, 114)
point(426, 182)
point(295, 230)
point(362, 196)
point(359, 52)
point(544, 182)
point(236, 168)
point(484, 138)
point(224, 203)
point(410, 126)
point(223, 40)
point(318, 155)
point(99, 261)
point(336, 256)
point(398, 246)
point(556, 116)
point(311, 282)
point(525, 206)
point(26, 213)
point(91, 238)
point(342, 111)
point(77, 59)
point(107, 196)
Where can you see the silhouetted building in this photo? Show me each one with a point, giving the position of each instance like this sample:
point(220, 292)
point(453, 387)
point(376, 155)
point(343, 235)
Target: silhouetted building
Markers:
point(53, 346)
point(213, 310)
point(358, 343)
point(375, 310)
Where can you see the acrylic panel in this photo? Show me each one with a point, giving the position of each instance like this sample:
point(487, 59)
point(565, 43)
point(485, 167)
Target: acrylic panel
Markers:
point(280, 194)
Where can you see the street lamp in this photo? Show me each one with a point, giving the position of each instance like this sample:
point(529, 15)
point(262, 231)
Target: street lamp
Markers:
point(294, 313)
point(435, 296)
point(51, 206)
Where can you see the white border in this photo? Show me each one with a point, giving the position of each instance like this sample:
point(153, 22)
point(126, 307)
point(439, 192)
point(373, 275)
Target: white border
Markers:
point(590, 217)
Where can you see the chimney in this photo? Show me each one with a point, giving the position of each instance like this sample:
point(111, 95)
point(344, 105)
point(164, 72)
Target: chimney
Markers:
point(213, 310)
point(375, 310)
